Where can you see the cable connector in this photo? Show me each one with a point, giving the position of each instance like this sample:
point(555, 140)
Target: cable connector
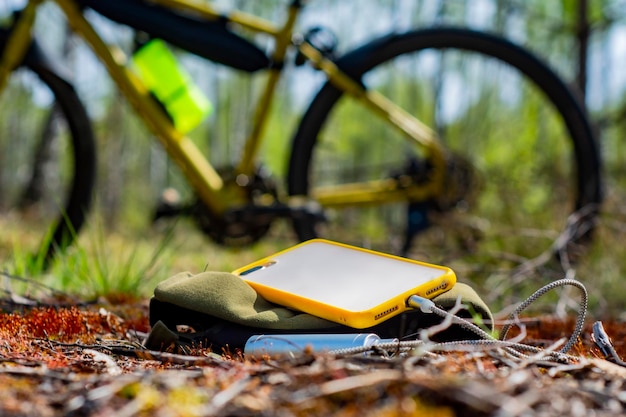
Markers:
point(424, 304)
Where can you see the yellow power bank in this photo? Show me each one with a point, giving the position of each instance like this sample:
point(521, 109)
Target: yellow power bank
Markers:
point(348, 285)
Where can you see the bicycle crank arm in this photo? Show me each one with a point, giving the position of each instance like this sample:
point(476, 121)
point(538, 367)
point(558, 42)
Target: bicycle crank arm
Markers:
point(276, 210)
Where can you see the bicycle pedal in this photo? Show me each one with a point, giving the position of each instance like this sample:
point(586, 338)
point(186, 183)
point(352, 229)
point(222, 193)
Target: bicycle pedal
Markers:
point(310, 209)
point(169, 205)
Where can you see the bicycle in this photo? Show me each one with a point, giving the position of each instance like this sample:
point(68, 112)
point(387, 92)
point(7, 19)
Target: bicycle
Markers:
point(452, 187)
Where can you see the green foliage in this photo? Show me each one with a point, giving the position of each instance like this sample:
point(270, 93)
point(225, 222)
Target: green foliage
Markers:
point(98, 265)
point(503, 137)
point(27, 263)
point(106, 271)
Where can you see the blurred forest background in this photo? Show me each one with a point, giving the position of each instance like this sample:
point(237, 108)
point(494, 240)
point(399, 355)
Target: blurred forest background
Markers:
point(584, 40)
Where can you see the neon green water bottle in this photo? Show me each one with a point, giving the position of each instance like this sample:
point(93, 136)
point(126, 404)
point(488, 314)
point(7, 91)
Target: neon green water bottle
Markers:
point(172, 86)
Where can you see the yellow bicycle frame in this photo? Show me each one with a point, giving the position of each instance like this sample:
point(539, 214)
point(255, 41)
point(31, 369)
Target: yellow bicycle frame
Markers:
point(200, 173)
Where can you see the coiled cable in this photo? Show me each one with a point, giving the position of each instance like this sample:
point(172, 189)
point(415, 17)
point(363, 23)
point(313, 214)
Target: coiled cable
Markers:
point(486, 340)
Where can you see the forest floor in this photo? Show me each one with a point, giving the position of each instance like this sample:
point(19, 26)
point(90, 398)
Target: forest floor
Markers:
point(86, 359)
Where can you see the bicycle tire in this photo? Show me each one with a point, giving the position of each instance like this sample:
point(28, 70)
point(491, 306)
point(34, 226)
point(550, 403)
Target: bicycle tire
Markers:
point(585, 164)
point(72, 182)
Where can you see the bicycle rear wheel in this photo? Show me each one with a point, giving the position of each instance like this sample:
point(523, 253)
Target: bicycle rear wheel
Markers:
point(47, 161)
point(522, 154)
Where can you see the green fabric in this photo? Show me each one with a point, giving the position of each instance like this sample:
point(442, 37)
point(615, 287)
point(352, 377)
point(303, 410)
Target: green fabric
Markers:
point(469, 297)
point(161, 338)
point(227, 296)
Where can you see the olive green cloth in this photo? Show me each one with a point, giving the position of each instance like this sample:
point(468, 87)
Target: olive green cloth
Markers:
point(228, 297)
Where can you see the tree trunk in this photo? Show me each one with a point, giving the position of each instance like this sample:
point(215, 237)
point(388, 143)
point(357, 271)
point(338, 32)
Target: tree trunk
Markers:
point(42, 172)
point(45, 169)
point(583, 32)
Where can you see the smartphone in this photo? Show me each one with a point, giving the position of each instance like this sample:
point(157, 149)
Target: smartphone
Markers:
point(349, 285)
